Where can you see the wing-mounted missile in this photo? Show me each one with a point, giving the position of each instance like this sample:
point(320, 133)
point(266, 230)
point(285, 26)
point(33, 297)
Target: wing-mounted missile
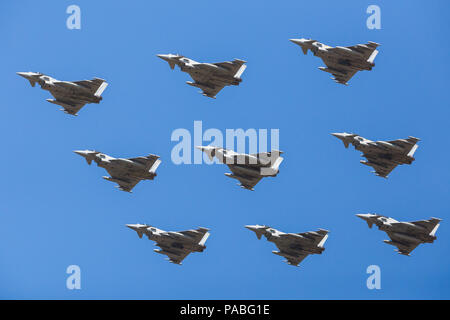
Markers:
point(333, 71)
point(122, 184)
point(198, 85)
point(66, 107)
point(402, 249)
point(203, 87)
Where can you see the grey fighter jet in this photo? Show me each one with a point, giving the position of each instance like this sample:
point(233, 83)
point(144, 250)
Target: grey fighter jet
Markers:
point(293, 246)
point(72, 96)
point(383, 156)
point(209, 77)
point(175, 245)
point(341, 62)
point(249, 169)
point(406, 236)
point(125, 172)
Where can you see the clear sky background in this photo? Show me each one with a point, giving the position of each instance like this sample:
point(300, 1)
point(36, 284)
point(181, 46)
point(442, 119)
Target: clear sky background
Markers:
point(56, 211)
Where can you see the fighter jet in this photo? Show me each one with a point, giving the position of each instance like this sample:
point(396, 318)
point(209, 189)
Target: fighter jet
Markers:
point(175, 245)
point(341, 62)
point(72, 96)
point(406, 236)
point(209, 77)
point(293, 246)
point(383, 156)
point(247, 168)
point(125, 172)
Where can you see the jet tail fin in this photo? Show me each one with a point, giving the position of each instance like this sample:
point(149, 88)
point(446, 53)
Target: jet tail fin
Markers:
point(205, 237)
point(273, 169)
point(322, 242)
point(101, 88)
point(241, 69)
point(372, 56)
point(155, 166)
point(436, 221)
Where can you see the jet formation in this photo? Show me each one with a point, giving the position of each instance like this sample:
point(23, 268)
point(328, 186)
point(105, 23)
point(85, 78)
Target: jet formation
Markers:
point(293, 246)
point(175, 245)
point(406, 236)
point(125, 172)
point(383, 156)
point(248, 169)
point(341, 62)
point(72, 96)
point(209, 77)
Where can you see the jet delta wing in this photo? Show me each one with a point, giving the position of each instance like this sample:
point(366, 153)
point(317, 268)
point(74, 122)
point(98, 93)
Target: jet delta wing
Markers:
point(247, 181)
point(177, 250)
point(210, 83)
point(294, 248)
point(340, 66)
point(125, 173)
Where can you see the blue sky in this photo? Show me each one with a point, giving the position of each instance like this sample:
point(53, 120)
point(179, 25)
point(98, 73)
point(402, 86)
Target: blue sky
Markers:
point(57, 211)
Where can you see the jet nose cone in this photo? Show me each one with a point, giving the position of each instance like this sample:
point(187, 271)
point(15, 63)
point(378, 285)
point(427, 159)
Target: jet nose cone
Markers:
point(296, 41)
point(338, 135)
point(80, 152)
point(252, 228)
point(136, 227)
point(363, 216)
point(201, 148)
point(26, 75)
point(164, 56)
